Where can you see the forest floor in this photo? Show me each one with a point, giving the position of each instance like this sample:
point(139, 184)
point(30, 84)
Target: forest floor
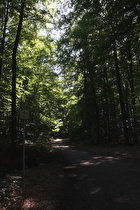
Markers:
point(81, 179)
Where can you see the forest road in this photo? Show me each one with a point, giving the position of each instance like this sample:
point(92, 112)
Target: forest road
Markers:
point(99, 180)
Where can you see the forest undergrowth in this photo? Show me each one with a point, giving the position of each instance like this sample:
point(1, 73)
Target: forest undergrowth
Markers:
point(11, 169)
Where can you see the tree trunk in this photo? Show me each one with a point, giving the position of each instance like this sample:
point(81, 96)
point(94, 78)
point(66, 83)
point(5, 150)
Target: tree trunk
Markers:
point(14, 71)
point(3, 38)
point(133, 102)
point(122, 105)
point(95, 108)
point(105, 102)
point(87, 111)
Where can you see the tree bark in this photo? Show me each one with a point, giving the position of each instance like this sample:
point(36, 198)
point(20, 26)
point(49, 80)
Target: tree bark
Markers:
point(105, 104)
point(122, 105)
point(132, 89)
point(87, 111)
point(14, 71)
point(3, 37)
point(95, 108)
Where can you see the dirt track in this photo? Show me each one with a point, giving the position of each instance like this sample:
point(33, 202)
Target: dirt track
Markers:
point(99, 181)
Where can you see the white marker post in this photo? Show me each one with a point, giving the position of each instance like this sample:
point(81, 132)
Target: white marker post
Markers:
point(24, 115)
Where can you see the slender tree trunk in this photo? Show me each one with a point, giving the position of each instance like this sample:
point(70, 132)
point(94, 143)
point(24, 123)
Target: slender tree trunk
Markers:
point(87, 111)
point(122, 105)
point(95, 108)
point(3, 37)
point(111, 107)
point(132, 89)
point(14, 71)
point(106, 104)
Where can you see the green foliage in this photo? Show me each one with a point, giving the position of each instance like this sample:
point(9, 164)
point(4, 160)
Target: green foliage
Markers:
point(107, 104)
point(84, 101)
point(37, 85)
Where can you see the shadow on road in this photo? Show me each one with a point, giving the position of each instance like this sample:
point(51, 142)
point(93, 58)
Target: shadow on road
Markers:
point(99, 181)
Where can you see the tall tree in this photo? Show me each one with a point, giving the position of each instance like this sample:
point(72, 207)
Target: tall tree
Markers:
point(4, 19)
point(123, 111)
point(14, 73)
point(108, 30)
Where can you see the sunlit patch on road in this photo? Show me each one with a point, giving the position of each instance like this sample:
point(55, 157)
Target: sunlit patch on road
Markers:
point(70, 167)
point(96, 190)
point(99, 178)
point(59, 144)
point(89, 163)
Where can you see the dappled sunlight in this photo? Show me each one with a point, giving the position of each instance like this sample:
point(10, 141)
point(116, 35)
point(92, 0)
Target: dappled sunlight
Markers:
point(59, 144)
point(97, 157)
point(99, 177)
point(111, 158)
point(57, 140)
point(64, 147)
point(92, 161)
point(83, 158)
point(10, 192)
point(95, 190)
point(89, 163)
point(70, 167)
point(97, 160)
point(30, 203)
